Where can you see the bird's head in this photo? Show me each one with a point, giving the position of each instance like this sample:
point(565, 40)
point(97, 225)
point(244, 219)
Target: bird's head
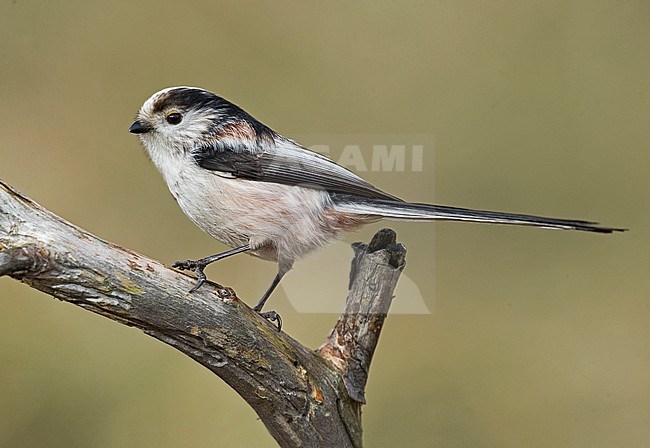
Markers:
point(179, 118)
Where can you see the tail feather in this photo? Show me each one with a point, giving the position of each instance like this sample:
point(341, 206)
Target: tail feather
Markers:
point(426, 212)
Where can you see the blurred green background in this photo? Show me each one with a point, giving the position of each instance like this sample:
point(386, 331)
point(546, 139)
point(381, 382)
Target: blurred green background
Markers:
point(536, 338)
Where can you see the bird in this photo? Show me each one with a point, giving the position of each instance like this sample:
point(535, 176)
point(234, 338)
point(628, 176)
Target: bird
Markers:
point(261, 193)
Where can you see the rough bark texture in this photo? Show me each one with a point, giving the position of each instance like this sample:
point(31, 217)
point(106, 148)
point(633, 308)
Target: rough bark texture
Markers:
point(305, 398)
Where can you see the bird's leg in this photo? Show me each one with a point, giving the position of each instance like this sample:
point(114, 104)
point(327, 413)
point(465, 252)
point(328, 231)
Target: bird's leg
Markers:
point(199, 265)
point(270, 315)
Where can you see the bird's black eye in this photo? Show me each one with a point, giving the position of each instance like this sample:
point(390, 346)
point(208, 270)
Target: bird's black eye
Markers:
point(174, 118)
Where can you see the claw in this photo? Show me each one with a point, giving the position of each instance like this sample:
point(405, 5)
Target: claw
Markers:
point(272, 316)
point(202, 279)
point(195, 266)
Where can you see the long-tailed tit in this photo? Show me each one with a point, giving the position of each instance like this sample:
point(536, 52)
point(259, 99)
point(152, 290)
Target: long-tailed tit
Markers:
point(259, 192)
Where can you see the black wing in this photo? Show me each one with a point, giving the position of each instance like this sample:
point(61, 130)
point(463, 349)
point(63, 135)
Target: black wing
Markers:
point(284, 162)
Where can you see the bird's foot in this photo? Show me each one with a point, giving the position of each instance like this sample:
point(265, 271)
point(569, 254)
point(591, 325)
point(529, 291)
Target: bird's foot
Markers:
point(196, 266)
point(271, 316)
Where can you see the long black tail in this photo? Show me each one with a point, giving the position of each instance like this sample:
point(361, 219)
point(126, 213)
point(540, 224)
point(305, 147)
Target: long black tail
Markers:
point(427, 212)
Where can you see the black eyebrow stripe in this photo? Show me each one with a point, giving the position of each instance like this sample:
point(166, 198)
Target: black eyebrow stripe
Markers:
point(196, 99)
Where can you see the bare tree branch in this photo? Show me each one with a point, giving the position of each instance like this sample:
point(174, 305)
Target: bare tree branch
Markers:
point(305, 398)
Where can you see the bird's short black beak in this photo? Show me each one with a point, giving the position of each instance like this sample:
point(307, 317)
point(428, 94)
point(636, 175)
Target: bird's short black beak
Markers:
point(139, 128)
